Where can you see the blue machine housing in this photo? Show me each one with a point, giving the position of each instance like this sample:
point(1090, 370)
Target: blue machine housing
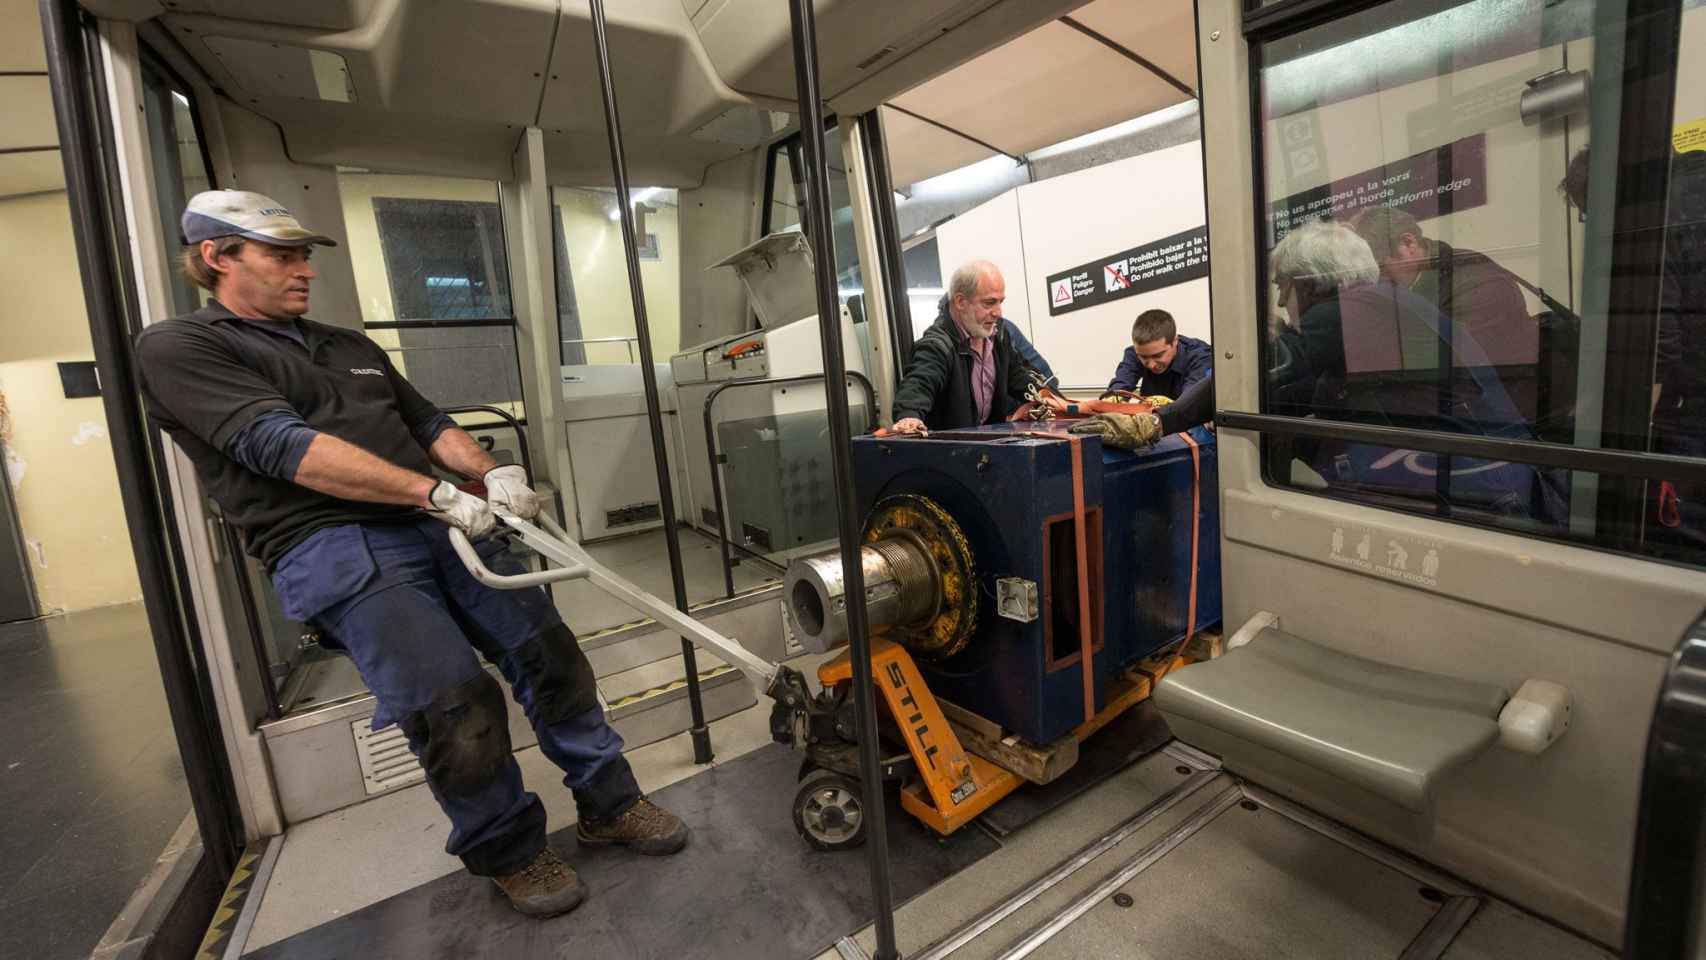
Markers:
point(1012, 496)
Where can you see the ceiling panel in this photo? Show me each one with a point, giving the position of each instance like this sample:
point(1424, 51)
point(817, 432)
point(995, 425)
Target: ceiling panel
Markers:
point(1049, 85)
point(665, 84)
point(919, 151)
point(26, 113)
point(751, 41)
point(34, 172)
point(20, 43)
point(1164, 32)
point(583, 160)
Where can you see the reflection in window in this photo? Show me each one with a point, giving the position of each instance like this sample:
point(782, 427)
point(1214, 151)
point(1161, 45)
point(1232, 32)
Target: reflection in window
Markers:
point(1428, 264)
point(443, 258)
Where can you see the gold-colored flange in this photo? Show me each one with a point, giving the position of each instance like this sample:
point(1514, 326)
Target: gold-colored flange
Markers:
point(922, 519)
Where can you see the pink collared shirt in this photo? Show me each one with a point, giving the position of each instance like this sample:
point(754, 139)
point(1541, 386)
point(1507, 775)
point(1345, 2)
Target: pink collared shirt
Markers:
point(982, 374)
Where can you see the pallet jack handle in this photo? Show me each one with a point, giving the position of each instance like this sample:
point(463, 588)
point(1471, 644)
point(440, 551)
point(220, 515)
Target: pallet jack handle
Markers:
point(574, 563)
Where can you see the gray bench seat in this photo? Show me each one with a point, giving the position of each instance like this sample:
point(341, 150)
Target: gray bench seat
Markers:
point(1389, 730)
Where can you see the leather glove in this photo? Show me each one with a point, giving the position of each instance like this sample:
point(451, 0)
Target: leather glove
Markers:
point(464, 511)
point(507, 487)
point(1126, 431)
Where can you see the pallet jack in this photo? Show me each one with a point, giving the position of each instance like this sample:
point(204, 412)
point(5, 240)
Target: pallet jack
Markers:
point(941, 782)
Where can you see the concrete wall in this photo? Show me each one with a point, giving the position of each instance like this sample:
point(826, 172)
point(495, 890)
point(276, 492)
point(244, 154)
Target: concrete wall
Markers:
point(1056, 224)
point(57, 450)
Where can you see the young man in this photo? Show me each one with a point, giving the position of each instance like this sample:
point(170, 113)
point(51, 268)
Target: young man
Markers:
point(1160, 362)
point(322, 454)
point(965, 369)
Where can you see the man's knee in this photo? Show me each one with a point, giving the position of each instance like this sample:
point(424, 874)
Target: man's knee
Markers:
point(462, 735)
point(557, 673)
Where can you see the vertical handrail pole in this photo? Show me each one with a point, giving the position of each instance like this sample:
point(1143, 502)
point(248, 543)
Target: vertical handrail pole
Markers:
point(840, 448)
point(648, 373)
point(888, 237)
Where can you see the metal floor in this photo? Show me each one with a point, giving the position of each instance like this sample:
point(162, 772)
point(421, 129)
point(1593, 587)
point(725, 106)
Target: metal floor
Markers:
point(90, 779)
point(1212, 869)
point(1175, 860)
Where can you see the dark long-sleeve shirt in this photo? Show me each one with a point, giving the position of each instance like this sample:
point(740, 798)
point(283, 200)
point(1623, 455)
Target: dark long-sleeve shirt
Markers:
point(1193, 361)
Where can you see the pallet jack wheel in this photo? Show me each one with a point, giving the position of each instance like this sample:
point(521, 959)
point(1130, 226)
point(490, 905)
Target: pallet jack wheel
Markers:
point(829, 811)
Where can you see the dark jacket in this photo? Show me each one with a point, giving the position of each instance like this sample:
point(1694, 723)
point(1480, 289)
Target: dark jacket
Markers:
point(1193, 362)
point(1681, 413)
point(937, 386)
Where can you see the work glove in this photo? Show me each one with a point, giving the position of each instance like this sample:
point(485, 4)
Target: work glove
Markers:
point(464, 511)
point(1127, 431)
point(507, 487)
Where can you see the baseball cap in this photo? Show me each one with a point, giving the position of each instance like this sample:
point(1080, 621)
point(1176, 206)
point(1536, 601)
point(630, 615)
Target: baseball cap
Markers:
point(224, 213)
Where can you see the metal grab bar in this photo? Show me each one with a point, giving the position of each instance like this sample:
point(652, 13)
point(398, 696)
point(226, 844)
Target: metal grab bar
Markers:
point(553, 544)
point(711, 449)
point(516, 581)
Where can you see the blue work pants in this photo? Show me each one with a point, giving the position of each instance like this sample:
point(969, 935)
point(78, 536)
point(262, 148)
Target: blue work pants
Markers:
point(397, 599)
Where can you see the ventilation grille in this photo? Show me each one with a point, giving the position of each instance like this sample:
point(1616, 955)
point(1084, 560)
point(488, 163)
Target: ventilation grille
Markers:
point(637, 513)
point(386, 762)
point(866, 63)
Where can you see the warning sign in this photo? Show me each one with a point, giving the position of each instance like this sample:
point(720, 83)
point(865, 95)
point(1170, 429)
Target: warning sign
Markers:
point(1061, 293)
point(1425, 185)
point(1170, 260)
point(1689, 136)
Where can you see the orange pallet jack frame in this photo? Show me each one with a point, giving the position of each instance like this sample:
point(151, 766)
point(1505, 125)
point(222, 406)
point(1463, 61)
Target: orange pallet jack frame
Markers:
point(954, 785)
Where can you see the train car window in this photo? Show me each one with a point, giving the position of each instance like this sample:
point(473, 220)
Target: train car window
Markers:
point(594, 306)
point(1430, 249)
point(432, 275)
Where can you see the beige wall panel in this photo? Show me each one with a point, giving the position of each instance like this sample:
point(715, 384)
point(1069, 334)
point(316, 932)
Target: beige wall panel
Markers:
point(20, 43)
point(989, 232)
point(598, 264)
point(26, 113)
point(919, 151)
point(58, 453)
point(1049, 85)
point(36, 172)
point(1164, 32)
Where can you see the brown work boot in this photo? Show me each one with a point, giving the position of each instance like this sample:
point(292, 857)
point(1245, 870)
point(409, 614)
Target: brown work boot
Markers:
point(544, 888)
point(646, 828)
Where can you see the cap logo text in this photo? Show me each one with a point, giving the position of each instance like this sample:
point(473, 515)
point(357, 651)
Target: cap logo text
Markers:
point(366, 371)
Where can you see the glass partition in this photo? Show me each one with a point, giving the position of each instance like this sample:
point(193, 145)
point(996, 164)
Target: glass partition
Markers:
point(1444, 253)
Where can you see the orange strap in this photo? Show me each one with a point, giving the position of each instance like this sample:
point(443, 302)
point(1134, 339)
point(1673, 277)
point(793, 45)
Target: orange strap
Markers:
point(1085, 633)
point(1080, 409)
point(1670, 505)
point(1196, 527)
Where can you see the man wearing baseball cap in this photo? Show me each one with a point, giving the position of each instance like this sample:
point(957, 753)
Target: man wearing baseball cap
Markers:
point(319, 451)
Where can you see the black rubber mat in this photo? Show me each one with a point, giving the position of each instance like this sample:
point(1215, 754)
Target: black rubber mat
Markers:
point(1132, 736)
point(746, 886)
